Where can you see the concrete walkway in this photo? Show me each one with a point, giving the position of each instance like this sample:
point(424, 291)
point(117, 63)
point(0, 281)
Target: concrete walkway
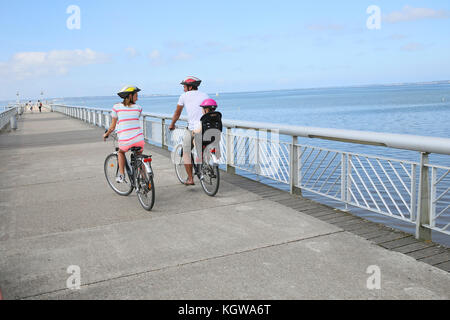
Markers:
point(56, 211)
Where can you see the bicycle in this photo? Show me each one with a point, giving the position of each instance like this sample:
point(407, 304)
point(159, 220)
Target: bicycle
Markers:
point(207, 171)
point(138, 175)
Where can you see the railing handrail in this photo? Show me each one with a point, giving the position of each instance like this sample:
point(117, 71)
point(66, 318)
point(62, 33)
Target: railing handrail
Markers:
point(427, 144)
point(11, 109)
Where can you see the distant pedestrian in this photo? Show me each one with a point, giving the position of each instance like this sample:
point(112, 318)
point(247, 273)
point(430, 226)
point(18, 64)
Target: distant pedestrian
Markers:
point(31, 106)
point(40, 105)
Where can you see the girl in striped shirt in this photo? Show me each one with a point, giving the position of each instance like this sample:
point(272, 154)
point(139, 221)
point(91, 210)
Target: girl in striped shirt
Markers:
point(125, 120)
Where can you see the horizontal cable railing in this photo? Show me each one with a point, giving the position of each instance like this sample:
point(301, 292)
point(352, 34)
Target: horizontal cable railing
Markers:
point(417, 193)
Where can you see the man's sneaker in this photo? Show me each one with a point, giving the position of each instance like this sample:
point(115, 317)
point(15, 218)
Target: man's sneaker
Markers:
point(120, 179)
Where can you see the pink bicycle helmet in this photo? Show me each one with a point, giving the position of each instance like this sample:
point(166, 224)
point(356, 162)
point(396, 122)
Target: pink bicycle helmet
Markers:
point(209, 103)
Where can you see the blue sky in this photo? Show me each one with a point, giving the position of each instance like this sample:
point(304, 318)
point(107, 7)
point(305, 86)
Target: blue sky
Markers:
point(232, 45)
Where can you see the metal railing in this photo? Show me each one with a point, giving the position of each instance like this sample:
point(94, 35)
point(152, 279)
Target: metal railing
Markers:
point(417, 193)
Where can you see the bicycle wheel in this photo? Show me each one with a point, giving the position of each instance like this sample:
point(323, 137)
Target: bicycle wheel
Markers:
point(210, 177)
point(146, 191)
point(111, 171)
point(180, 169)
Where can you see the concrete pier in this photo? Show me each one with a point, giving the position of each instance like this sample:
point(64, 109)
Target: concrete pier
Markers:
point(248, 242)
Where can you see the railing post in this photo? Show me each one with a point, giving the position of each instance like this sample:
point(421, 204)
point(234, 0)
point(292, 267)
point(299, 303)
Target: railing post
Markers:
point(413, 192)
point(293, 167)
point(107, 120)
point(433, 197)
point(348, 183)
point(344, 179)
point(144, 128)
point(163, 134)
point(13, 122)
point(257, 156)
point(230, 151)
point(423, 216)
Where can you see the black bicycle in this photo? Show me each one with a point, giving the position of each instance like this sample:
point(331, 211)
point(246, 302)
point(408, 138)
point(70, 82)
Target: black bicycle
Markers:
point(138, 175)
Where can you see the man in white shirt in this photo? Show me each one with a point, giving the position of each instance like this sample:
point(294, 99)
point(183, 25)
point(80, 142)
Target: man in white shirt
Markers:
point(191, 100)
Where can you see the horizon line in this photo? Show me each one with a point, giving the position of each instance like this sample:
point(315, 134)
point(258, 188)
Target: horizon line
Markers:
point(274, 90)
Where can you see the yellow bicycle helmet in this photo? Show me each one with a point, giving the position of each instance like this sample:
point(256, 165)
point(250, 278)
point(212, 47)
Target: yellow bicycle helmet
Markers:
point(127, 90)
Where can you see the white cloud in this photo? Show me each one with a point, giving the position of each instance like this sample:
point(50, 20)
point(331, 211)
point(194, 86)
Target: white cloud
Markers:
point(218, 47)
point(155, 54)
point(175, 44)
point(409, 13)
point(182, 56)
point(397, 37)
point(155, 58)
point(132, 52)
point(412, 46)
point(25, 65)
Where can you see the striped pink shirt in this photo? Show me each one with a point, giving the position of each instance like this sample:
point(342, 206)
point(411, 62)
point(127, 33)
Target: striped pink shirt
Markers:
point(129, 130)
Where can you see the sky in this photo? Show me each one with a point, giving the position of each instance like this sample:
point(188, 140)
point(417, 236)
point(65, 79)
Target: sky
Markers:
point(231, 45)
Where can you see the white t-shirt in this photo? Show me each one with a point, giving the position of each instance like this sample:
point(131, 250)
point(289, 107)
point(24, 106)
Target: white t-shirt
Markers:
point(191, 101)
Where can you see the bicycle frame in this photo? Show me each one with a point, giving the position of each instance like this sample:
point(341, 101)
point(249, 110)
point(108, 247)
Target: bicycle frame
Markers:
point(132, 169)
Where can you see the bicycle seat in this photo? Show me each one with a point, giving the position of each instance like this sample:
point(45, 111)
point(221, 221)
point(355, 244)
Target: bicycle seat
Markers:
point(135, 149)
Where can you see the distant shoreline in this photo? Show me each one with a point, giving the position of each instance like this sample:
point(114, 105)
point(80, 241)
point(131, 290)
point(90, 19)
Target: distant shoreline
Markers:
point(399, 84)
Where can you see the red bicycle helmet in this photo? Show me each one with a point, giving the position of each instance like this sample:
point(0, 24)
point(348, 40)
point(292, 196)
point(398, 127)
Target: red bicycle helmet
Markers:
point(191, 81)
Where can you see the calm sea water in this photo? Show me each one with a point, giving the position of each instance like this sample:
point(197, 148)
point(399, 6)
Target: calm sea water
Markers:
point(417, 109)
